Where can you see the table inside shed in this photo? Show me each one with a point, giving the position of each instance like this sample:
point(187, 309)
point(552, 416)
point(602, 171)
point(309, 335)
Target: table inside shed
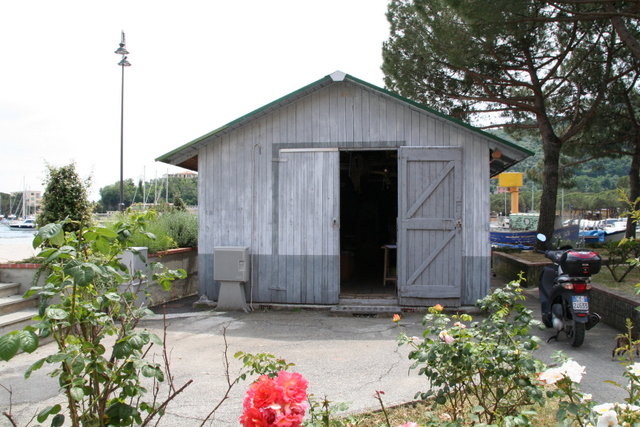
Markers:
point(390, 269)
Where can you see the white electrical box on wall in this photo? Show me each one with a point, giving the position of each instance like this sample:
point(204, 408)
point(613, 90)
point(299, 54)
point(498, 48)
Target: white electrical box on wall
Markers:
point(135, 259)
point(231, 263)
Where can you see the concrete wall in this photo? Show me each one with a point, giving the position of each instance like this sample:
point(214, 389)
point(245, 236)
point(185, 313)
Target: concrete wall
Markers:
point(185, 258)
point(615, 307)
point(20, 273)
point(510, 266)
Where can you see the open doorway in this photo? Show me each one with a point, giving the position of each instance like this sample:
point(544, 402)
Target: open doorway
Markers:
point(368, 221)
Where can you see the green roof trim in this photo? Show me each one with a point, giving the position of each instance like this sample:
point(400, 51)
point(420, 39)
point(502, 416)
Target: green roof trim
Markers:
point(328, 78)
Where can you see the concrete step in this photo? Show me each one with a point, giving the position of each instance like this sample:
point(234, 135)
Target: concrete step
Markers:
point(17, 303)
point(355, 300)
point(16, 320)
point(9, 289)
point(366, 310)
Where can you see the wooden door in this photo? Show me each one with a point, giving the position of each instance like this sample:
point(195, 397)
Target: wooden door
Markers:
point(429, 229)
point(308, 238)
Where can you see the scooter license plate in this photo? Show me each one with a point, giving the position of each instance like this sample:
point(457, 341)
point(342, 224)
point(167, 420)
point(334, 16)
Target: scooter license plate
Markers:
point(580, 302)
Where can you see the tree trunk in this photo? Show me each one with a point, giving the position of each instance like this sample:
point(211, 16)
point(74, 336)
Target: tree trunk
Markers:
point(551, 145)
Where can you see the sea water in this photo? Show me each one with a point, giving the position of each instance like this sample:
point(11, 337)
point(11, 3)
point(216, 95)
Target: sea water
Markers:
point(7, 233)
point(15, 245)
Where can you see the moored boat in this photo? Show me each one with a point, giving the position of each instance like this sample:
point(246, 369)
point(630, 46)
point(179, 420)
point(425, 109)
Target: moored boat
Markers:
point(511, 237)
point(26, 225)
point(614, 231)
point(521, 230)
point(518, 229)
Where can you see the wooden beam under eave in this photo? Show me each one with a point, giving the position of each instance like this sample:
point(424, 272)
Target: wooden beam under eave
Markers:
point(191, 163)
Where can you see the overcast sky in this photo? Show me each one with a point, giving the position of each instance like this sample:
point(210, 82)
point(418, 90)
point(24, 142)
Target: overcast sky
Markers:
point(196, 65)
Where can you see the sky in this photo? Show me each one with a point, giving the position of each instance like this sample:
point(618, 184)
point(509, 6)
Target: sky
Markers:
point(196, 65)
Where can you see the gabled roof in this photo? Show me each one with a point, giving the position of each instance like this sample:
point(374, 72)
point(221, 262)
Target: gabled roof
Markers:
point(186, 156)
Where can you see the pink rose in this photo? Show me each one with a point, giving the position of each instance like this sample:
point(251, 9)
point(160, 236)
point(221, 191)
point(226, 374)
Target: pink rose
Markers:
point(293, 385)
point(277, 402)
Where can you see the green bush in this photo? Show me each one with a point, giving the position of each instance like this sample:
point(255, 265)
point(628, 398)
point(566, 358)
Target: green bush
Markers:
point(484, 371)
point(100, 360)
point(182, 227)
point(168, 230)
point(619, 255)
point(65, 196)
point(159, 241)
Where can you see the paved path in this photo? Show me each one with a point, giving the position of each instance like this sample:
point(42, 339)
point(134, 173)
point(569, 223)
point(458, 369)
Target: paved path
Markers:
point(345, 359)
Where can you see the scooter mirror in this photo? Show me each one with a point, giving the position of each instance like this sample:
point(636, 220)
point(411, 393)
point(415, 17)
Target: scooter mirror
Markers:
point(541, 237)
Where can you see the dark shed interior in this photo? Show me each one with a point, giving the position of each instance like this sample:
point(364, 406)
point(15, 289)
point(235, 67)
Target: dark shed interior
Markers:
point(368, 215)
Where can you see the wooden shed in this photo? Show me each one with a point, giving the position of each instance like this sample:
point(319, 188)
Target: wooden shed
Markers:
point(322, 183)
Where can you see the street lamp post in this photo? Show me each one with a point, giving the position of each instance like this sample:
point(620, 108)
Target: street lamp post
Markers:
point(123, 63)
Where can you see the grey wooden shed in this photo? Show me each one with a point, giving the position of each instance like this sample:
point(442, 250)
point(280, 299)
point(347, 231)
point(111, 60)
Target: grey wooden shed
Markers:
point(321, 183)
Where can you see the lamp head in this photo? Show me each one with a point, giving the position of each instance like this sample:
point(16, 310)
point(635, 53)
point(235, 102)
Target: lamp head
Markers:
point(121, 50)
point(124, 62)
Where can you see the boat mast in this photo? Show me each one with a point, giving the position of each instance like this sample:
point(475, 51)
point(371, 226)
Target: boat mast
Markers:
point(24, 198)
point(144, 188)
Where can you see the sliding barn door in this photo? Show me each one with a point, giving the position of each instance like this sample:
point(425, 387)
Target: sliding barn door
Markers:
point(429, 229)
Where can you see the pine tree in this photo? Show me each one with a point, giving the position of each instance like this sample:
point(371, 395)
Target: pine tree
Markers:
point(497, 63)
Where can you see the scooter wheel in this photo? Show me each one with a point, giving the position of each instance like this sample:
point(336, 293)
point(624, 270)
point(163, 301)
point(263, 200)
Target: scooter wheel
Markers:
point(576, 334)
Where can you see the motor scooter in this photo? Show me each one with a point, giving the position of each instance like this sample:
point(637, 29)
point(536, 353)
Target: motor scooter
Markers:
point(565, 289)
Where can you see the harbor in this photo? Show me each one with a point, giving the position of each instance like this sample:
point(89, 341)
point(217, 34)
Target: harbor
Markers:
point(15, 245)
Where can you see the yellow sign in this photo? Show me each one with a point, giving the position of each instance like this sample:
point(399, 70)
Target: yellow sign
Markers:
point(510, 179)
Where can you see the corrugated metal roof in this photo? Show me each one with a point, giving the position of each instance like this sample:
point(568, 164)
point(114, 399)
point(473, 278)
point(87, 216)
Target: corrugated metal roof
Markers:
point(187, 154)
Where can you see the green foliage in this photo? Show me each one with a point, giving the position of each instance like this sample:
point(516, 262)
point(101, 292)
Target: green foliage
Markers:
point(157, 240)
point(516, 64)
point(65, 196)
point(149, 193)
point(179, 204)
point(626, 345)
point(102, 382)
point(261, 364)
point(167, 230)
point(322, 414)
point(182, 227)
point(480, 372)
point(620, 254)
